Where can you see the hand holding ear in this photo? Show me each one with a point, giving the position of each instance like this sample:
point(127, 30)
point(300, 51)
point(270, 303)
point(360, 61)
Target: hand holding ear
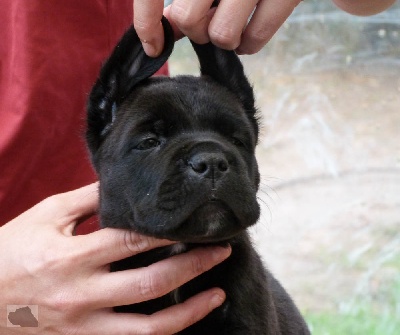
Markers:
point(68, 278)
point(244, 26)
point(226, 26)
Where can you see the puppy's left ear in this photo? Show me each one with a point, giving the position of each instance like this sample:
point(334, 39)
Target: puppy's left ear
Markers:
point(225, 67)
point(127, 67)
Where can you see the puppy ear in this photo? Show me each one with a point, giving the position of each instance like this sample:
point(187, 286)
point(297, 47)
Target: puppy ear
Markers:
point(226, 68)
point(127, 67)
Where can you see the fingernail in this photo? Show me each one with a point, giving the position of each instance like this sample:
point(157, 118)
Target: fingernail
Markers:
point(216, 301)
point(150, 49)
point(221, 253)
point(239, 51)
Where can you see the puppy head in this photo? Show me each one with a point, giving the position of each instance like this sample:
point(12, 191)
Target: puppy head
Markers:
point(175, 156)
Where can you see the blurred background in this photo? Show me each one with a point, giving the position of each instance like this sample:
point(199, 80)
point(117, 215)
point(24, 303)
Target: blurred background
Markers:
point(328, 91)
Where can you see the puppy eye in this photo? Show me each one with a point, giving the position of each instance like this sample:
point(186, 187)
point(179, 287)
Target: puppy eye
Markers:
point(237, 142)
point(148, 143)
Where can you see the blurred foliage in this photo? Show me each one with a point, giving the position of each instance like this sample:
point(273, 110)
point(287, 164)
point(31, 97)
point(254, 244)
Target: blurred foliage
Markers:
point(318, 36)
point(373, 313)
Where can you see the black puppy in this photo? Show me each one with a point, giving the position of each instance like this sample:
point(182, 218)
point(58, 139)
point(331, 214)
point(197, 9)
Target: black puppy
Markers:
point(175, 159)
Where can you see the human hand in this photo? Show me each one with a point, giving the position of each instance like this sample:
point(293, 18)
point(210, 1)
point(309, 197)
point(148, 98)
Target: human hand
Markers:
point(68, 276)
point(225, 26)
point(364, 7)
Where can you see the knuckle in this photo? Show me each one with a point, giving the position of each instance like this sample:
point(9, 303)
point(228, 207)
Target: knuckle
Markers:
point(45, 262)
point(61, 304)
point(69, 305)
point(256, 39)
point(183, 18)
point(151, 286)
point(197, 265)
point(258, 35)
point(224, 38)
point(135, 243)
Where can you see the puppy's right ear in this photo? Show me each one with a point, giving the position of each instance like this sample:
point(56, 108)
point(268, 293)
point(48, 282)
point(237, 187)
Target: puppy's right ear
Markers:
point(127, 67)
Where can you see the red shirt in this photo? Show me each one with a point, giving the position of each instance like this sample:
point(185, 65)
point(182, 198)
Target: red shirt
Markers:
point(50, 54)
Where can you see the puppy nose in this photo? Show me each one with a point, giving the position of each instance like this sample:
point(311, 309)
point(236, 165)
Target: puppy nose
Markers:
point(209, 165)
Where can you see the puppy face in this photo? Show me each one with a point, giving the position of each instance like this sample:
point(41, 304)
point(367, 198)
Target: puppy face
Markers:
point(176, 157)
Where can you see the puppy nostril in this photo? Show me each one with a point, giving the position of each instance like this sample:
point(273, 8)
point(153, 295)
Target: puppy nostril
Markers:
point(199, 167)
point(202, 167)
point(209, 165)
point(223, 166)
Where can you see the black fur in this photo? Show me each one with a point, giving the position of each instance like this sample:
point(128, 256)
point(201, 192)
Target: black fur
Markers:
point(176, 159)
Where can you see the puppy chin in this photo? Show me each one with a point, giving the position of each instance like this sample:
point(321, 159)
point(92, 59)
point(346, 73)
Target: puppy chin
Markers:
point(211, 222)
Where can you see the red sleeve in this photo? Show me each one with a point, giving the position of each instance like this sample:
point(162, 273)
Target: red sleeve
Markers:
point(50, 54)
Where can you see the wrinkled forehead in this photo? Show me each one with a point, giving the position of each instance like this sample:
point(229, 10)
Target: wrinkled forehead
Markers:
point(186, 102)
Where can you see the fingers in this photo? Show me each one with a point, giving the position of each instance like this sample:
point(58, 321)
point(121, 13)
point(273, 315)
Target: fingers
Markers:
point(222, 26)
point(192, 18)
point(147, 22)
point(226, 27)
point(138, 285)
point(166, 322)
point(266, 20)
point(73, 207)
point(187, 313)
point(63, 211)
point(81, 202)
point(109, 245)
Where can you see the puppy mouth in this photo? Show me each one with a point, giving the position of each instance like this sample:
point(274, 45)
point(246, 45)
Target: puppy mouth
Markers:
point(213, 221)
point(212, 211)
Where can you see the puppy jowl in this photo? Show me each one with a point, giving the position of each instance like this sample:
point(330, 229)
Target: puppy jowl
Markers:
point(176, 159)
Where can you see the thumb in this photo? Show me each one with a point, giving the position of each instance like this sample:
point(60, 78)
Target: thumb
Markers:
point(65, 210)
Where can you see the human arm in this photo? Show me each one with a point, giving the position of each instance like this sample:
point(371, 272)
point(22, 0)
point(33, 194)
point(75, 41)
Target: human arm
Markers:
point(68, 276)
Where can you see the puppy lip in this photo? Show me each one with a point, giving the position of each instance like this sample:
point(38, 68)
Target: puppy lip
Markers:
point(215, 202)
point(214, 198)
point(211, 204)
